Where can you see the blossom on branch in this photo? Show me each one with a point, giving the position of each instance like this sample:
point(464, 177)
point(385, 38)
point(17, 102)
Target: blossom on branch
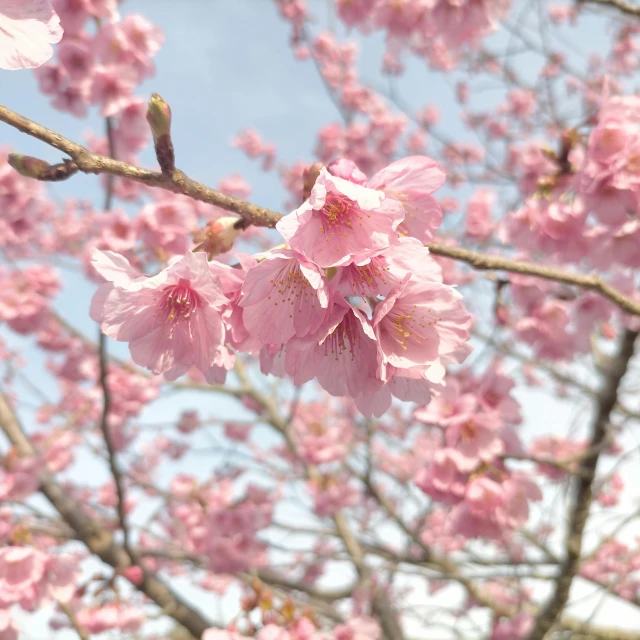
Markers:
point(172, 321)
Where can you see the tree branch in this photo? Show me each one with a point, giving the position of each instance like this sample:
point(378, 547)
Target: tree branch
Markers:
point(620, 5)
point(177, 182)
point(584, 490)
point(484, 262)
point(98, 540)
point(80, 630)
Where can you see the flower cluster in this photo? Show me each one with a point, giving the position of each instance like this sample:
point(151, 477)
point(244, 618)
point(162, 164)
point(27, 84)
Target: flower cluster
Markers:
point(476, 418)
point(354, 299)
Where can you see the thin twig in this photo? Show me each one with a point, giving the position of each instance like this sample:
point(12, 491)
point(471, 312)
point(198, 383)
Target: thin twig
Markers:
point(103, 372)
point(111, 452)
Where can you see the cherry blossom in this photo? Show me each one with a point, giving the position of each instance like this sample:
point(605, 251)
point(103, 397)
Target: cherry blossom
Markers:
point(28, 31)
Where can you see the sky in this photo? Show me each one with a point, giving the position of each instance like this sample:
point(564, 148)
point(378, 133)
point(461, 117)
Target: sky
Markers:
point(226, 65)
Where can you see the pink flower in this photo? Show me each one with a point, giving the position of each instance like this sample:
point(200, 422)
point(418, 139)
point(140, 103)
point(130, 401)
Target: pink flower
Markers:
point(493, 393)
point(478, 223)
point(341, 222)
point(282, 297)
point(111, 88)
point(519, 491)
point(442, 479)
point(19, 478)
point(8, 628)
point(321, 438)
point(342, 355)
point(379, 274)
point(447, 406)
point(359, 628)
point(331, 493)
point(476, 438)
point(73, 14)
point(22, 569)
point(134, 574)
point(418, 322)
point(347, 170)
point(28, 28)
point(172, 321)
point(111, 616)
point(411, 181)
point(273, 632)
point(221, 634)
point(518, 627)
point(354, 12)
point(76, 57)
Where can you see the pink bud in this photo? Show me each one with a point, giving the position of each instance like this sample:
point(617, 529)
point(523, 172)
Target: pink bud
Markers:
point(134, 575)
point(219, 235)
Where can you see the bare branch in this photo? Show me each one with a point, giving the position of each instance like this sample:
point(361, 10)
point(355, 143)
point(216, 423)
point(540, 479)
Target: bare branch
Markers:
point(584, 490)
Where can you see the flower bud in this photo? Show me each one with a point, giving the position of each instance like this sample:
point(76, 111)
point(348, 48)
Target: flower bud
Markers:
point(134, 574)
point(159, 117)
point(39, 169)
point(27, 166)
point(309, 177)
point(218, 236)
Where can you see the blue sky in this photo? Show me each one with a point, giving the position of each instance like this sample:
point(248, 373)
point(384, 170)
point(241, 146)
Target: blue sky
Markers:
point(227, 65)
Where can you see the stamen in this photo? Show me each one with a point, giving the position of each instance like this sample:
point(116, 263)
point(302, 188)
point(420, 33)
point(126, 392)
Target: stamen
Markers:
point(177, 303)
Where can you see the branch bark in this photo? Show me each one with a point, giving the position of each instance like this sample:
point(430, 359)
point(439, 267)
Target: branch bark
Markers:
point(583, 496)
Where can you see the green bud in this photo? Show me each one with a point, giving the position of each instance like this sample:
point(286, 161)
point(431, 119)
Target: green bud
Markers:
point(159, 117)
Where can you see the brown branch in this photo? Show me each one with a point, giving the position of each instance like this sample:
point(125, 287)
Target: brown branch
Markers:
point(584, 490)
point(619, 5)
point(99, 540)
point(118, 480)
point(83, 634)
point(484, 262)
point(177, 182)
point(103, 370)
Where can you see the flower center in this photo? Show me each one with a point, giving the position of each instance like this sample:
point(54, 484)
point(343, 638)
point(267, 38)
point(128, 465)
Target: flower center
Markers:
point(345, 337)
point(177, 303)
point(468, 432)
point(410, 326)
point(338, 212)
point(369, 278)
point(291, 285)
